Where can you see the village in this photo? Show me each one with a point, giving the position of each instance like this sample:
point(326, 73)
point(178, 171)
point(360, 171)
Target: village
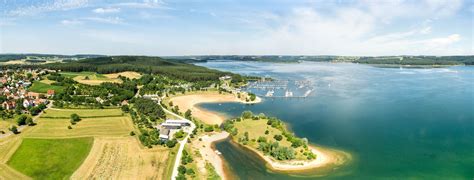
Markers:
point(15, 94)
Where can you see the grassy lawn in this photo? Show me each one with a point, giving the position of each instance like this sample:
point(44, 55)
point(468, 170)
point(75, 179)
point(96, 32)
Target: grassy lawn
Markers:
point(50, 158)
point(257, 128)
point(41, 87)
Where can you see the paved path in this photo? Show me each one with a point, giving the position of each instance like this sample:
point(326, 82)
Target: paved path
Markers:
point(183, 142)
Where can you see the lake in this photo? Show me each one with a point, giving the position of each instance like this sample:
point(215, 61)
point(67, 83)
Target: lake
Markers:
point(397, 123)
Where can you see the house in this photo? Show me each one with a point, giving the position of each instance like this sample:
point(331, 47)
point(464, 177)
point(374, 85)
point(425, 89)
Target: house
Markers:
point(164, 134)
point(170, 126)
point(226, 77)
point(33, 95)
point(9, 105)
point(179, 122)
point(50, 93)
point(27, 103)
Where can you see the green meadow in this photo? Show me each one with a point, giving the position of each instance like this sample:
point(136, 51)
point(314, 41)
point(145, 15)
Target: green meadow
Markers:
point(50, 158)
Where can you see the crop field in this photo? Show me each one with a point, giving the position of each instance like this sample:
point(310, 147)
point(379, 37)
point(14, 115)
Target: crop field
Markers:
point(50, 158)
point(90, 78)
point(41, 87)
point(122, 158)
point(128, 74)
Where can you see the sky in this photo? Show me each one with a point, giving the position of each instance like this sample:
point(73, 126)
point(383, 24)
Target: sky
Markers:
point(238, 27)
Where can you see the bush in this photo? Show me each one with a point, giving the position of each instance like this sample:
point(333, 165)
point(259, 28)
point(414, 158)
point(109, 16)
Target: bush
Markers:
point(278, 137)
point(171, 143)
point(75, 117)
point(209, 128)
point(14, 129)
point(69, 127)
point(132, 133)
point(181, 169)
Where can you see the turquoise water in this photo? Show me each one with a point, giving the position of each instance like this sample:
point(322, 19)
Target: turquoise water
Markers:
point(396, 123)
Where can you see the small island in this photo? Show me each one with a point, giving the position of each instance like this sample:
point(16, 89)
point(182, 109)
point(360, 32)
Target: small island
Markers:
point(282, 150)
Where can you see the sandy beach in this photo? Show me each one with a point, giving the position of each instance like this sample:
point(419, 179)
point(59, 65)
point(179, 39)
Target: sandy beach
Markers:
point(209, 154)
point(190, 101)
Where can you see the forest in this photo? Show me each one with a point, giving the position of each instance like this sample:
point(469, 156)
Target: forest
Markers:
point(142, 64)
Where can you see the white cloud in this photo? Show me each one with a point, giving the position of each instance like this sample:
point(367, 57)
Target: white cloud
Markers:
point(426, 30)
point(71, 22)
point(106, 10)
point(108, 20)
point(436, 42)
point(56, 5)
point(146, 4)
point(344, 31)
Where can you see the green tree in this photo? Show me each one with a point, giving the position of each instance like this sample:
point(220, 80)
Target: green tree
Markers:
point(21, 120)
point(247, 114)
point(125, 108)
point(29, 121)
point(75, 117)
point(188, 114)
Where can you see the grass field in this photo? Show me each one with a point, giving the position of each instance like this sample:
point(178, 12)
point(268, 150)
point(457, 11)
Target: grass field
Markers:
point(41, 87)
point(95, 122)
point(5, 124)
point(50, 158)
point(90, 78)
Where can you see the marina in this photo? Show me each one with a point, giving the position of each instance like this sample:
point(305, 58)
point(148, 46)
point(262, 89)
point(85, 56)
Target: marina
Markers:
point(282, 88)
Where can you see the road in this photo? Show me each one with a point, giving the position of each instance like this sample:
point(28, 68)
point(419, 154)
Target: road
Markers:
point(183, 142)
point(35, 119)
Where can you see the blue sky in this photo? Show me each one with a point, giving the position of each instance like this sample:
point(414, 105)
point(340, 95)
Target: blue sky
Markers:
point(245, 27)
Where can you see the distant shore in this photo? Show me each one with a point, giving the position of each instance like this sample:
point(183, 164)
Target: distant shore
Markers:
point(191, 101)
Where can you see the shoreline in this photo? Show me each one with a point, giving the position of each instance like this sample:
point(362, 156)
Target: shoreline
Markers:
point(191, 101)
point(325, 158)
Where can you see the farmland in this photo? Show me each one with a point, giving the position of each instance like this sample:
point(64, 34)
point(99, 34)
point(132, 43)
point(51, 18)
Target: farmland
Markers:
point(91, 78)
point(113, 152)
